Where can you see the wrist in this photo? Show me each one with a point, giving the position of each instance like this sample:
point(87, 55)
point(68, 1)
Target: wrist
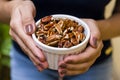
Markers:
point(6, 8)
point(12, 4)
point(18, 3)
point(103, 26)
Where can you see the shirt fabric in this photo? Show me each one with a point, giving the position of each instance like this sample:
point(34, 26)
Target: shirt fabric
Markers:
point(80, 8)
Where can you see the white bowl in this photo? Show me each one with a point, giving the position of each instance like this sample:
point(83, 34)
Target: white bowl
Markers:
point(54, 54)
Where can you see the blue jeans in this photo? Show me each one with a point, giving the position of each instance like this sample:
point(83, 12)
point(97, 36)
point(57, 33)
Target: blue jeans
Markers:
point(23, 69)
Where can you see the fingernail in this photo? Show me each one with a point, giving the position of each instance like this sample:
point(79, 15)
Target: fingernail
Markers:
point(63, 65)
point(29, 28)
point(41, 59)
point(63, 72)
point(41, 66)
point(95, 42)
point(69, 61)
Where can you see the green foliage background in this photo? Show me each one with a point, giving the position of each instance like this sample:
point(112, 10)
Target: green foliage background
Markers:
point(5, 44)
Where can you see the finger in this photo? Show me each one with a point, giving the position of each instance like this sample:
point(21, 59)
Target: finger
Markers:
point(27, 40)
point(89, 54)
point(64, 72)
point(79, 66)
point(27, 16)
point(16, 26)
point(95, 33)
point(76, 72)
point(22, 45)
point(40, 65)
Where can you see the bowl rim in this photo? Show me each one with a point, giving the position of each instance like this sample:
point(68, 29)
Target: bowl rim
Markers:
point(63, 49)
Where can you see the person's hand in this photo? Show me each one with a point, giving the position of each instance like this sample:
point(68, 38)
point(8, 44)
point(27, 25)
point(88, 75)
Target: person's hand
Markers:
point(78, 64)
point(22, 26)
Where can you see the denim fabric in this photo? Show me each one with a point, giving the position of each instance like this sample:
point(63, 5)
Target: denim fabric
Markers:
point(23, 69)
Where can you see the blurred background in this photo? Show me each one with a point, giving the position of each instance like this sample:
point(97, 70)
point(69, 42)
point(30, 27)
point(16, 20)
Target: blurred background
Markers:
point(5, 44)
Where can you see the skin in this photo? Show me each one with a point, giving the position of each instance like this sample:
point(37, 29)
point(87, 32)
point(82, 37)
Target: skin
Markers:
point(21, 14)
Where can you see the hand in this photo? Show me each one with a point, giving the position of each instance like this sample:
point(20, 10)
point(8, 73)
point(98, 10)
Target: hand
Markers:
point(22, 26)
point(78, 64)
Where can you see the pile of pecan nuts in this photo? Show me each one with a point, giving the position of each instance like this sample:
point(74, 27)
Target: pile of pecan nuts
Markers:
point(62, 33)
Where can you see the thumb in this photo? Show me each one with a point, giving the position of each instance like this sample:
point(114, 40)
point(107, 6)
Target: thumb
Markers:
point(93, 41)
point(95, 33)
point(27, 15)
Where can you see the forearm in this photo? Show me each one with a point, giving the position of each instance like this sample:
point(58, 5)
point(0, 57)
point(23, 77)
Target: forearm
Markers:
point(6, 7)
point(4, 15)
point(110, 28)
